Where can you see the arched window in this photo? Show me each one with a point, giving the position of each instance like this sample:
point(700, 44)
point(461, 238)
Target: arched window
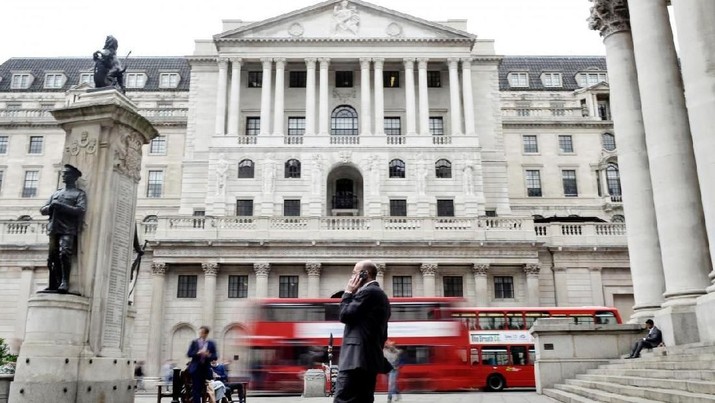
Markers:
point(245, 169)
point(443, 168)
point(397, 169)
point(292, 168)
point(613, 179)
point(24, 218)
point(618, 218)
point(344, 121)
point(609, 141)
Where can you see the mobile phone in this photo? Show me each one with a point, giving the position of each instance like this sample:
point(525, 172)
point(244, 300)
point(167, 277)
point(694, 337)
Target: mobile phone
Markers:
point(363, 275)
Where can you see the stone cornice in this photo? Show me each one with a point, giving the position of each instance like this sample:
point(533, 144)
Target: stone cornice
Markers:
point(522, 125)
point(609, 17)
point(329, 40)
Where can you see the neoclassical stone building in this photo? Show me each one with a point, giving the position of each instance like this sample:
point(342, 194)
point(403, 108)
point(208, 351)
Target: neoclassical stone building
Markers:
point(292, 147)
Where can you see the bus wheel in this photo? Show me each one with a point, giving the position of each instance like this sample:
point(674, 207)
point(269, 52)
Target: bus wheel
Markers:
point(495, 383)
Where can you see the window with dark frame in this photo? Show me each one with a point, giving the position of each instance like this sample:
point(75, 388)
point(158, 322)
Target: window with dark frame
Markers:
point(288, 287)
point(391, 79)
point(402, 286)
point(533, 183)
point(434, 78)
point(155, 184)
point(35, 145)
point(187, 286)
point(531, 144)
point(568, 177)
point(291, 207)
point(244, 207)
point(246, 169)
point(443, 169)
point(344, 121)
point(158, 145)
point(4, 141)
point(609, 141)
point(199, 222)
point(32, 179)
point(297, 79)
point(393, 126)
point(296, 126)
point(238, 286)
point(253, 126)
point(255, 79)
point(397, 168)
point(490, 213)
point(613, 180)
point(453, 286)
point(292, 169)
point(566, 143)
point(503, 287)
point(398, 208)
point(436, 126)
point(344, 79)
point(445, 208)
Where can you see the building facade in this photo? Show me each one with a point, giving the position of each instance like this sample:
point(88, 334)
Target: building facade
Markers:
point(293, 147)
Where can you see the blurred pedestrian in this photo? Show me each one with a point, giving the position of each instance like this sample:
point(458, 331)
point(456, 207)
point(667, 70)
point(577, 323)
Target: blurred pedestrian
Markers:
point(139, 375)
point(394, 357)
point(201, 351)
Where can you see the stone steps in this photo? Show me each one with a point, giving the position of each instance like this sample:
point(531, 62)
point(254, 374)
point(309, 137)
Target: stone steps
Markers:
point(686, 385)
point(703, 375)
point(652, 394)
point(589, 395)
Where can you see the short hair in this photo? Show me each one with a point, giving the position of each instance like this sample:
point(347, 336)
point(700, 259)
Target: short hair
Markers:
point(206, 328)
point(649, 322)
point(370, 267)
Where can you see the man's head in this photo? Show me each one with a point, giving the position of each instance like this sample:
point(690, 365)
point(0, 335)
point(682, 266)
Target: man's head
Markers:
point(368, 266)
point(204, 332)
point(70, 174)
point(649, 324)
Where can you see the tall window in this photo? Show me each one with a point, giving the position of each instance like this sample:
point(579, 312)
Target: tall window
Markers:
point(292, 168)
point(434, 79)
point(169, 80)
point(20, 81)
point(35, 145)
point(443, 168)
point(402, 286)
point(503, 287)
point(253, 126)
point(344, 121)
point(291, 208)
point(245, 169)
point(238, 286)
point(201, 221)
point(54, 80)
point(551, 79)
point(519, 79)
point(436, 126)
point(155, 184)
point(397, 169)
point(296, 126)
point(187, 286)
point(533, 183)
point(4, 140)
point(343, 79)
point(288, 287)
point(566, 143)
point(244, 207)
point(445, 208)
point(609, 141)
point(391, 79)
point(255, 79)
point(32, 178)
point(158, 145)
point(398, 208)
point(297, 79)
point(530, 143)
point(568, 177)
point(613, 180)
point(393, 127)
point(453, 286)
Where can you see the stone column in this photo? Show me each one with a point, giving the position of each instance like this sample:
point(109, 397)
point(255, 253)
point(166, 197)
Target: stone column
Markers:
point(561, 286)
point(24, 292)
point(455, 107)
point(266, 96)
point(468, 97)
point(221, 96)
point(323, 113)
point(379, 97)
point(410, 96)
point(423, 96)
point(234, 107)
point(262, 270)
point(310, 96)
point(210, 271)
point(156, 318)
point(642, 232)
point(532, 283)
point(683, 240)
point(596, 286)
point(429, 272)
point(365, 116)
point(481, 287)
point(278, 109)
point(313, 269)
point(381, 268)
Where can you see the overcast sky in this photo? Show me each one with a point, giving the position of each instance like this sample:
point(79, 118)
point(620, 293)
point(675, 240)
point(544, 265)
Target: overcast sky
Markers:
point(41, 28)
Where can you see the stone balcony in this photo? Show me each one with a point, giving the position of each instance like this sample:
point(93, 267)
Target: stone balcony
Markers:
point(37, 115)
point(569, 114)
point(357, 141)
point(582, 234)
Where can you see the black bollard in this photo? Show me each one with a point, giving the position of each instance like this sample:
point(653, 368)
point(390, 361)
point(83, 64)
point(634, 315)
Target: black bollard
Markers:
point(176, 386)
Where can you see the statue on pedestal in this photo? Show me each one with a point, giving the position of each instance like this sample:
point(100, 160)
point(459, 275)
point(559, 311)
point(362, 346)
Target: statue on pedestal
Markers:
point(66, 208)
point(108, 71)
point(221, 175)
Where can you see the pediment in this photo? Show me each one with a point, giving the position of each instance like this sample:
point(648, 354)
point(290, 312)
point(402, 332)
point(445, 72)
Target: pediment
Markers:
point(344, 21)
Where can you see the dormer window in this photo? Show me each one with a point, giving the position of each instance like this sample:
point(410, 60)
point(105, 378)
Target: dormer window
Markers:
point(519, 79)
point(551, 80)
point(135, 80)
point(21, 81)
point(587, 79)
point(169, 80)
point(54, 80)
point(86, 78)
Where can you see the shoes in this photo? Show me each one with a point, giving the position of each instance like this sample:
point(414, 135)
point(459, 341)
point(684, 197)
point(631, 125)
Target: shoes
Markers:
point(632, 356)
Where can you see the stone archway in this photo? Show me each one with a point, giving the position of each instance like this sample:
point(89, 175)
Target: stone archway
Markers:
point(180, 340)
point(345, 194)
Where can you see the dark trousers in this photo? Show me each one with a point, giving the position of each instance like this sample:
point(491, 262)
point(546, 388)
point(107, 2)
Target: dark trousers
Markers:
point(355, 386)
point(198, 386)
point(640, 345)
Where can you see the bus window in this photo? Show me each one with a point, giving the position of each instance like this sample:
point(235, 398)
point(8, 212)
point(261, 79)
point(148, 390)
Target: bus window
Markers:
point(474, 356)
point(605, 318)
point(332, 312)
point(515, 321)
point(294, 313)
point(531, 317)
point(491, 321)
point(468, 318)
point(416, 354)
point(532, 355)
point(495, 355)
point(413, 311)
point(582, 319)
point(518, 355)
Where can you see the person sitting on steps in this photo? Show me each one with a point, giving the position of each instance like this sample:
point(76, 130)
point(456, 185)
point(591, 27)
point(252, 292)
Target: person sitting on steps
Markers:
point(653, 339)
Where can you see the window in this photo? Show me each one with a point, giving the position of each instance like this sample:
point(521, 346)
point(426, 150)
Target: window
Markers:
point(296, 79)
point(503, 287)
point(292, 168)
point(291, 208)
point(589, 79)
point(519, 79)
point(391, 79)
point(344, 121)
point(158, 145)
point(54, 80)
point(4, 140)
point(13, 106)
point(255, 79)
point(402, 286)
point(551, 79)
point(135, 80)
point(436, 126)
point(530, 143)
point(21, 81)
point(568, 177)
point(169, 80)
point(238, 286)
point(434, 79)
point(398, 208)
point(199, 222)
point(343, 79)
point(609, 141)
point(604, 109)
point(187, 286)
point(443, 168)
point(244, 207)
point(566, 144)
point(453, 286)
point(296, 126)
point(533, 183)
point(618, 218)
point(155, 183)
point(392, 126)
point(288, 287)
point(35, 145)
point(246, 169)
point(613, 180)
point(397, 169)
point(253, 126)
point(86, 78)
point(445, 208)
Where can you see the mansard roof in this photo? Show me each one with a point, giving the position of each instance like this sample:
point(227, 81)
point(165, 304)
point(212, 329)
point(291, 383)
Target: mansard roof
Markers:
point(568, 66)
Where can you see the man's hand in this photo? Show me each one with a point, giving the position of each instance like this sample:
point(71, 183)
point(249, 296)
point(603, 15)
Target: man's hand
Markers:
point(353, 284)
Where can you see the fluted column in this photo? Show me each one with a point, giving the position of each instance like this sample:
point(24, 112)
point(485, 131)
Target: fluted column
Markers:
point(455, 107)
point(278, 110)
point(323, 114)
point(429, 272)
point(379, 97)
point(156, 318)
point(221, 90)
point(210, 271)
point(532, 283)
point(642, 232)
point(423, 96)
point(262, 270)
point(467, 96)
point(266, 96)
point(410, 95)
point(365, 115)
point(313, 269)
point(234, 105)
point(381, 268)
point(310, 96)
point(481, 287)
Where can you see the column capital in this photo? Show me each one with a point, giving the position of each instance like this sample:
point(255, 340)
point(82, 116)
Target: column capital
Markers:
point(378, 61)
point(313, 268)
point(532, 269)
point(222, 62)
point(158, 268)
point(280, 62)
point(310, 62)
point(262, 269)
point(422, 62)
point(267, 62)
point(428, 269)
point(409, 62)
point(324, 62)
point(210, 268)
point(466, 62)
point(236, 61)
point(480, 269)
point(609, 17)
point(365, 62)
point(453, 62)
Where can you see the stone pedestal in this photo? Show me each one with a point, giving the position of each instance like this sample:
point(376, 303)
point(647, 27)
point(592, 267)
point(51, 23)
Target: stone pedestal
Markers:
point(314, 383)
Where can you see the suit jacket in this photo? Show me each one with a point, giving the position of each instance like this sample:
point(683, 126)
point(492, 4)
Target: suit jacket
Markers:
point(199, 363)
point(654, 337)
point(365, 315)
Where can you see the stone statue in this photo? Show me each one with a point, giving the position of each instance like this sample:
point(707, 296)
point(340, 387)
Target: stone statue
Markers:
point(66, 209)
point(221, 175)
point(469, 178)
point(269, 174)
point(108, 71)
point(346, 18)
point(422, 173)
point(317, 174)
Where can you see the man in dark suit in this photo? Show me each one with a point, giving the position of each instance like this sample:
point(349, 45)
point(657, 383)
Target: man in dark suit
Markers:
point(201, 351)
point(653, 339)
point(365, 311)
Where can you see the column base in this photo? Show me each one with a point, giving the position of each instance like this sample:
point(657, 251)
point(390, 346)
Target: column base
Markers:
point(679, 324)
point(705, 311)
point(641, 313)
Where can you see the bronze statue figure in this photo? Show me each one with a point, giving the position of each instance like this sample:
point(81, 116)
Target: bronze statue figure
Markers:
point(108, 71)
point(66, 209)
